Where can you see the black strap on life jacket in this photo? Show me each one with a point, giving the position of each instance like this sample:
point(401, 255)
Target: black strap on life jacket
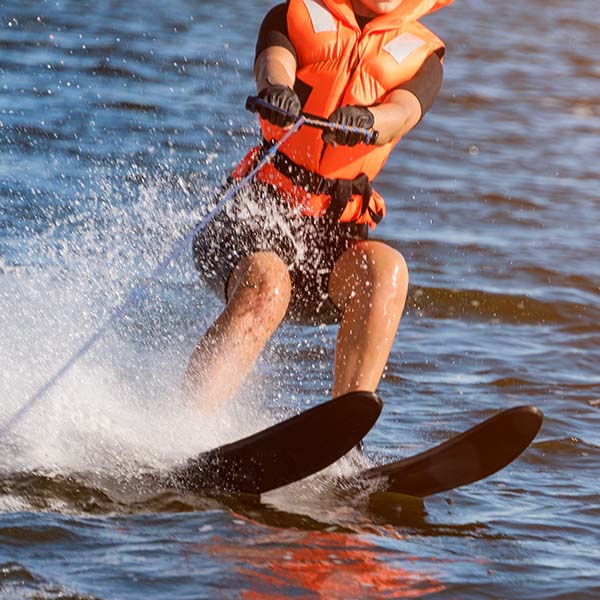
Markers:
point(340, 190)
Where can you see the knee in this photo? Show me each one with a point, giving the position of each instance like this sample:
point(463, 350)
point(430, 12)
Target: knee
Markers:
point(378, 277)
point(390, 272)
point(387, 275)
point(262, 282)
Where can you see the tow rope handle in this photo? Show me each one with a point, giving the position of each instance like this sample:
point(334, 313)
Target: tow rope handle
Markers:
point(368, 136)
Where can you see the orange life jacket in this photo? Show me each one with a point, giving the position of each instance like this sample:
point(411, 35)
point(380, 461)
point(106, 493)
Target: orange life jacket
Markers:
point(339, 65)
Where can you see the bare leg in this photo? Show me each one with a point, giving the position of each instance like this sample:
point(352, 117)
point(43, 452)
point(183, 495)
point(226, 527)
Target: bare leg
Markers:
point(369, 283)
point(259, 292)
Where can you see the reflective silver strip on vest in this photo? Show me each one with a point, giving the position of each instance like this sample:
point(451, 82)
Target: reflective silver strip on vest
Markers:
point(322, 19)
point(403, 46)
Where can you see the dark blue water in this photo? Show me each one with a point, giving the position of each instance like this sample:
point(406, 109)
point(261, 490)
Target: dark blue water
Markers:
point(117, 122)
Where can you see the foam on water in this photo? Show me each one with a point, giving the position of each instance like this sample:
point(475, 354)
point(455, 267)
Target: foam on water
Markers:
point(121, 405)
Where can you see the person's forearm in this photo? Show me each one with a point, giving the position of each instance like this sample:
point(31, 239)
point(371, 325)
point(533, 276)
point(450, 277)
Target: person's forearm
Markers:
point(396, 116)
point(275, 65)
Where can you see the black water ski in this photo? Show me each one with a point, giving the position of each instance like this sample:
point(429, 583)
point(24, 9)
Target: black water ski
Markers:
point(283, 453)
point(464, 458)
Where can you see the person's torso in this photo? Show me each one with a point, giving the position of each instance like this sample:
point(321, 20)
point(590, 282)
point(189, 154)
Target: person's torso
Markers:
point(339, 64)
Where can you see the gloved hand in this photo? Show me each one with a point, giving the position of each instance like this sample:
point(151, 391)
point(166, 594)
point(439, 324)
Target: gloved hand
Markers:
point(352, 116)
point(282, 97)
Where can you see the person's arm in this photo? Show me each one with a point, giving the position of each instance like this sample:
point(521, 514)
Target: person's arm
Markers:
point(396, 116)
point(275, 56)
point(402, 109)
point(275, 65)
point(406, 105)
point(275, 69)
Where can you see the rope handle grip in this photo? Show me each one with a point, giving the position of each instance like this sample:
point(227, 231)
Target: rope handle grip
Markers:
point(368, 136)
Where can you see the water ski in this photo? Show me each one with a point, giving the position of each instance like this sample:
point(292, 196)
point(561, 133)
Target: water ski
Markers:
point(283, 453)
point(464, 458)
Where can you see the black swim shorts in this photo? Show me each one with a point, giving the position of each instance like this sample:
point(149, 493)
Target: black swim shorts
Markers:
point(257, 219)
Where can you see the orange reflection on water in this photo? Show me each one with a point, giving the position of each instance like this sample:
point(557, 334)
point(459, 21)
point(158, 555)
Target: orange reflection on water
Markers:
point(320, 565)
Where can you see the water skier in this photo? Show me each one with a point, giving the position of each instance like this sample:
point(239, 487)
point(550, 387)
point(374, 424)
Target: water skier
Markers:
point(294, 243)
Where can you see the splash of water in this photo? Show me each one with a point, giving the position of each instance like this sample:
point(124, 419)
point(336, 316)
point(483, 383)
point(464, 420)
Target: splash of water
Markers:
point(121, 406)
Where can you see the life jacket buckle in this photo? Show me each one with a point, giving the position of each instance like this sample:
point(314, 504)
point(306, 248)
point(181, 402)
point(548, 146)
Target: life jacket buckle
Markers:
point(342, 193)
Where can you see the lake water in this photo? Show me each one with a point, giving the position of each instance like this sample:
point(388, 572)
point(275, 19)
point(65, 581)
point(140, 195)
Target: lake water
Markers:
point(117, 122)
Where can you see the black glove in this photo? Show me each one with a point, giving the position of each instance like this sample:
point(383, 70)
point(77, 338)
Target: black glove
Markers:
point(280, 96)
point(351, 116)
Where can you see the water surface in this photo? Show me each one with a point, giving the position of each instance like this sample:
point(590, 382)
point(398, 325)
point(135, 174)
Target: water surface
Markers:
point(118, 121)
